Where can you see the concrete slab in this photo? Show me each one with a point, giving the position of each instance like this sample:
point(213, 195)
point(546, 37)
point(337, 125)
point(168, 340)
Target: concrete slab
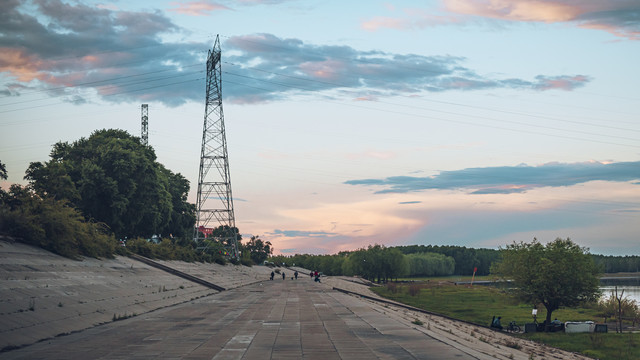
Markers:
point(42, 295)
point(268, 320)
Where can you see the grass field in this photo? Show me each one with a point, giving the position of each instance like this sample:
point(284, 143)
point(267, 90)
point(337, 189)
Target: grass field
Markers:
point(478, 304)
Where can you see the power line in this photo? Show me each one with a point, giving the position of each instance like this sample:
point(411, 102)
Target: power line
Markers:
point(446, 120)
point(93, 83)
point(423, 99)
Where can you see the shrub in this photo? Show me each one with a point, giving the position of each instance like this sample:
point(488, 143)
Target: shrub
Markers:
point(414, 289)
point(53, 225)
point(392, 287)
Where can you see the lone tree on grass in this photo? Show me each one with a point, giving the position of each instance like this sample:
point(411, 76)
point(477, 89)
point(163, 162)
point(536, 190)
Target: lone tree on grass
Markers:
point(557, 274)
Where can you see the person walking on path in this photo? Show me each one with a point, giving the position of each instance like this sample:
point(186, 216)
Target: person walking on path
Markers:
point(272, 275)
point(296, 274)
point(283, 275)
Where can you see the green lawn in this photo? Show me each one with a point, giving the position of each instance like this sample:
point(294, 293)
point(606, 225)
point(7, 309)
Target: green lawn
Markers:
point(478, 304)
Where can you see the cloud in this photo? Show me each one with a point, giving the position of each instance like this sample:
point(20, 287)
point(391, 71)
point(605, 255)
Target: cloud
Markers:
point(567, 83)
point(261, 2)
point(263, 67)
point(620, 18)
point(297, 233)
point(196, 8)
point(509, 179)
point(85, 52)
point(91, 54)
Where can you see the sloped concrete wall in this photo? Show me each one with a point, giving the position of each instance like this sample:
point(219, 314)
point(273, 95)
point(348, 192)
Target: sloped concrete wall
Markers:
point(43, 295)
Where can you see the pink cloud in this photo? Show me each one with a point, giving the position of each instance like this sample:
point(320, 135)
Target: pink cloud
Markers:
point(615, 17)
point(329, 69)
point(517, 10)
point(385, 22)
point(20, 65)
point(567, 83)
point(107, 7)
point(196, 8)
point(414, 19)
point(610, 16)
point(366, 98)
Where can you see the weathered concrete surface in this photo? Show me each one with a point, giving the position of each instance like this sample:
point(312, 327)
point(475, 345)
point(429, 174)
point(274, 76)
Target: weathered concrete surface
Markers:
point(280, 319)
point(43, 295)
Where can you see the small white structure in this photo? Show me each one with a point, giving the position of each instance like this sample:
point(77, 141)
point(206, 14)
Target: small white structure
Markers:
point(579, 327)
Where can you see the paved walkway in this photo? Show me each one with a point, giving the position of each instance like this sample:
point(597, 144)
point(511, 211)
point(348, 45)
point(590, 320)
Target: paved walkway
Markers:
point(280, 319)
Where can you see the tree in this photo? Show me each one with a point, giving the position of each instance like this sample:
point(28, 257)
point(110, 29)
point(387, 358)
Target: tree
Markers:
point(556, 275)
point(395, 264)
point(376, 263)
point(430, 264)
point(112, 178)
point(3, 171)
point(259, 250)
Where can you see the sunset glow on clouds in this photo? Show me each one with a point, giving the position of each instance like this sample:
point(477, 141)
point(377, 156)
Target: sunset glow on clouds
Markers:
point(616, 17)
point(451, 122)
point(196, 8)
point(517, 10)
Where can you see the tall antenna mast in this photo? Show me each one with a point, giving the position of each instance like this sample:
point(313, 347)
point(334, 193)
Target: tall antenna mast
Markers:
point(144, 132)
point(214, 205)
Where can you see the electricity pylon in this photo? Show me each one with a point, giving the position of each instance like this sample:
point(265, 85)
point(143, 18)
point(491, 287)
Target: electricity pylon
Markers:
point(144, 132)
point(214, 206)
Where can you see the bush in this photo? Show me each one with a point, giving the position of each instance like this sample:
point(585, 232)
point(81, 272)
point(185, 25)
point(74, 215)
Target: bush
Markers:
point(53, 225)
point(414, 289)
point(392, 287)
point(247, 262)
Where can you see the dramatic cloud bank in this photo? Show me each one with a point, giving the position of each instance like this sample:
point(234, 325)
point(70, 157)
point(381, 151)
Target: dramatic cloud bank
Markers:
point(265, 67)
point(78, 52)
point(83, 54)
point(620, 18)
point(509, 179)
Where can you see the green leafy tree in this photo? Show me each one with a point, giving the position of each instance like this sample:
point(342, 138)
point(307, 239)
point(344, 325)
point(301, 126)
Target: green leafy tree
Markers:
point(430, 264)
point(114, 179)
point(3, 171)
point(259, 250)
point(376, 263)
point(395, 264)
point(556, 275)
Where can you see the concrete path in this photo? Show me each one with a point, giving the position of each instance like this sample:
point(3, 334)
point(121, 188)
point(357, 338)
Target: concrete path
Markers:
point(280, 319)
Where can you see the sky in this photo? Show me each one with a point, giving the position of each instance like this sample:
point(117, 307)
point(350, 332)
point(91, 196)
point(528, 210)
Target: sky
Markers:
point(474, 123)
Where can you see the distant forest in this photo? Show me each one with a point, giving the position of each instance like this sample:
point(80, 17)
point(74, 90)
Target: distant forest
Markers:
point(379, 263)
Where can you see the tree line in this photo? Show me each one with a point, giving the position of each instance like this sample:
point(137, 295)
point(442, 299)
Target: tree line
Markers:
point(379, 262)
point(375, 263)
point(617, 264)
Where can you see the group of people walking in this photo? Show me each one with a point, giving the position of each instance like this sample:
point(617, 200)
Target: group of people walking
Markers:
point(314, 275)
point(284, 276)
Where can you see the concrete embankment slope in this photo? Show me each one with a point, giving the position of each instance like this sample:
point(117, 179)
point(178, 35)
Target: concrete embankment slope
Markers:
point(43, 295)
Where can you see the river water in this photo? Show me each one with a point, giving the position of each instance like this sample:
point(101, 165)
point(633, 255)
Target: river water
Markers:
point(631, 287)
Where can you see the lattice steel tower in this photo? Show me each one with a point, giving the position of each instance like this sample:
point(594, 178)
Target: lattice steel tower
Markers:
point(214, 204)
point(144, 132)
